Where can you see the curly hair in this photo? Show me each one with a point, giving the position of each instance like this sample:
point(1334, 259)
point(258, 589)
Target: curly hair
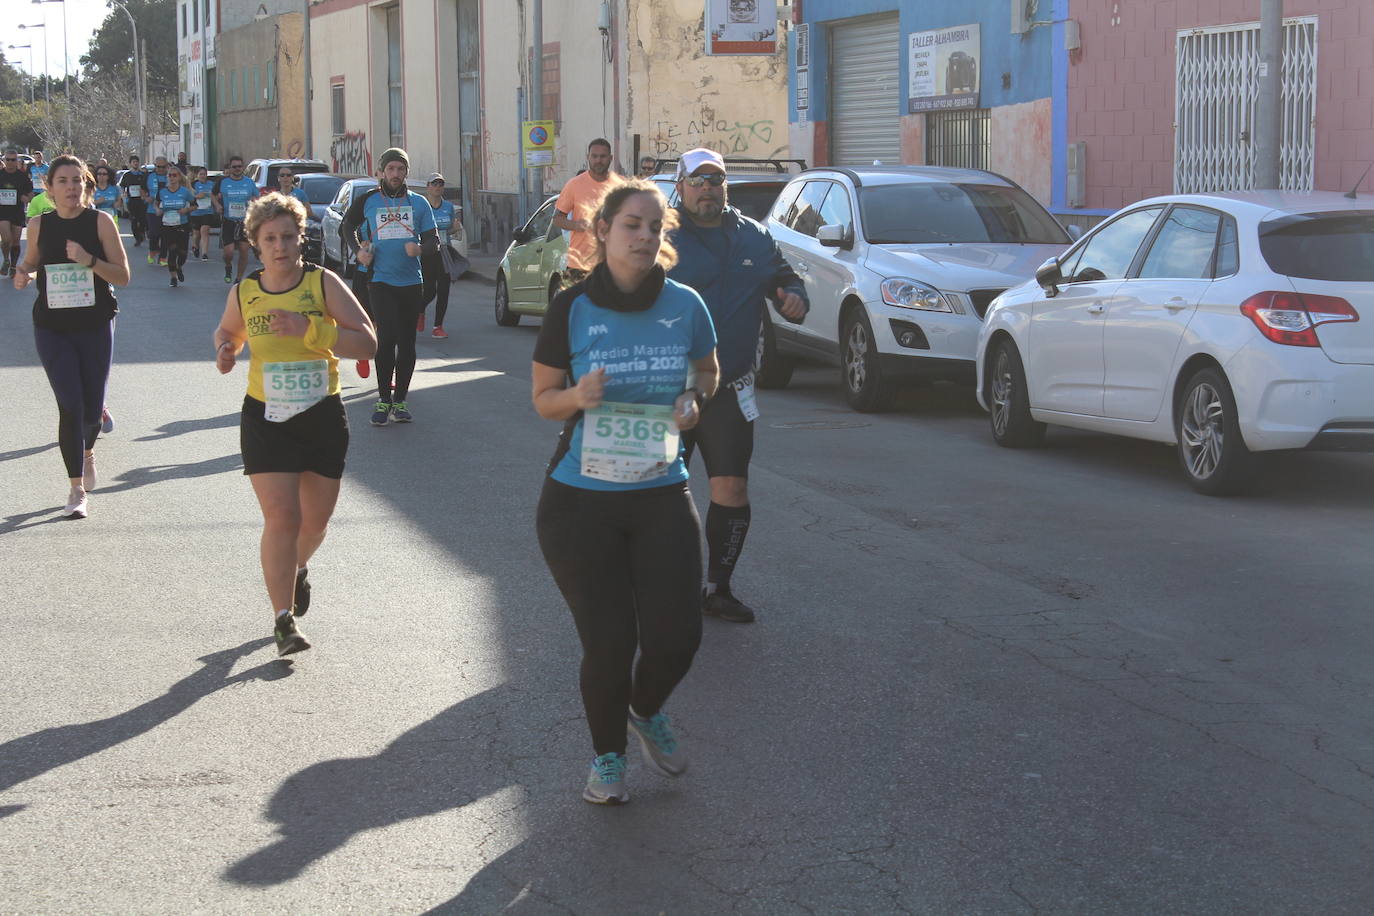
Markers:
point(267, 208)
point(616, 198)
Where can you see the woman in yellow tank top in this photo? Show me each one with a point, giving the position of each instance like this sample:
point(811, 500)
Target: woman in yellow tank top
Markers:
point(299, 319)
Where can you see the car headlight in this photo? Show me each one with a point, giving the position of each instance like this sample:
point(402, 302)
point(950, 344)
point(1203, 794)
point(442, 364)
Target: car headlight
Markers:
point(912, 294)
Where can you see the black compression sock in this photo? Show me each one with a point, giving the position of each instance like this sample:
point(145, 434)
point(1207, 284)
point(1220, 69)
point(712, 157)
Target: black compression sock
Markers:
point(726, 528)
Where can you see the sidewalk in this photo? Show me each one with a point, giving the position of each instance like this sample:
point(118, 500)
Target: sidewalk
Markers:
point(483, 268)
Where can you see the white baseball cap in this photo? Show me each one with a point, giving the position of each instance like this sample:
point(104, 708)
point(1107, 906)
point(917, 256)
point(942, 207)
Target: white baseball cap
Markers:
point(694, 159)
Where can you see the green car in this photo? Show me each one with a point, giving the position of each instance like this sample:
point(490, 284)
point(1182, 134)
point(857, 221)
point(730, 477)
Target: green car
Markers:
point(531, 273)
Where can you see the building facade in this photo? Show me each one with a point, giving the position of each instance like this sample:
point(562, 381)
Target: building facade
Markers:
point(1160, 97)
point(937, 82)
point(260, 90)
point(446, 79)
point(197, 24)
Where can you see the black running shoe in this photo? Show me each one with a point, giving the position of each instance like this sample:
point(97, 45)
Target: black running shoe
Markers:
point(289, 637)
point(302, 593)
point(727, 607)
point(181, 277)
point(173, 284)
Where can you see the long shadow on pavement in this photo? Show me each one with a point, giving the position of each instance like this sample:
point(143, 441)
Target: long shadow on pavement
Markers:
point(23, 758)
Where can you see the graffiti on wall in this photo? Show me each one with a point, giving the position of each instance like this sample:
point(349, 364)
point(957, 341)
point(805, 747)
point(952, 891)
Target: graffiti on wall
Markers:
point(729, 137)
point(350, 154)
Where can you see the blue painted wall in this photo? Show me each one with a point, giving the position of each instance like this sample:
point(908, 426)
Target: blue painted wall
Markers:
point(1026, 57)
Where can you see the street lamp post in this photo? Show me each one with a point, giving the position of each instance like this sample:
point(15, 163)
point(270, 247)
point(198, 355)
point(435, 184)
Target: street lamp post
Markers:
point(31, 78)
point(66, 65)
point(140, 83)
point(47, 80)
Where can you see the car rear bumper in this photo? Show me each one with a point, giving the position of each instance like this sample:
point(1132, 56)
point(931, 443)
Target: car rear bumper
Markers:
point(1301, 399)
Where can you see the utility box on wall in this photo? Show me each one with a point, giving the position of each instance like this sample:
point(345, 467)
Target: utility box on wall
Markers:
point(1074, 188)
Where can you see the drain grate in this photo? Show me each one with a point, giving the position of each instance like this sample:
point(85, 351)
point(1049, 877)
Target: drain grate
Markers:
point(821, 424)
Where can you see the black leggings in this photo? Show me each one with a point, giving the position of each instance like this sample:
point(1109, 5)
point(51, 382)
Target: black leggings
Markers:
point(628, 563)
point(138, 217)
point(395, 310)
point(175, 241)
point(78, 367)
point(437, 284)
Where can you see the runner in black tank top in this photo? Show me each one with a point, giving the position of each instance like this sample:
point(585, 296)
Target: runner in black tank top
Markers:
point(76, 255)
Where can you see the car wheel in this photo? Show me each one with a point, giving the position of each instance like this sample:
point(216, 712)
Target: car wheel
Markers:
point(1210, 447)
point(775, 370)
point(1008, 396)
point(864, 384)
point(504, 316)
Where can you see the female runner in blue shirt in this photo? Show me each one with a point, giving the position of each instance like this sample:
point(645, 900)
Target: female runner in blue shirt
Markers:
point(625, 359)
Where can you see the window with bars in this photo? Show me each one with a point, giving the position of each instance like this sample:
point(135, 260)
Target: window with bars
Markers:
point(336, 109)
point(1216, 96)
point(958, 139)
point(394, 80)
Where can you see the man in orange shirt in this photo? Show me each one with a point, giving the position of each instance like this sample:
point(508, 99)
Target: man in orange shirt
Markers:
point(577, 205)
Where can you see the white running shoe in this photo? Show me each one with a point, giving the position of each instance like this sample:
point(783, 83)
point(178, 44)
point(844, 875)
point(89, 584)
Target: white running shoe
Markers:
point(76, 504)
point(606, 781)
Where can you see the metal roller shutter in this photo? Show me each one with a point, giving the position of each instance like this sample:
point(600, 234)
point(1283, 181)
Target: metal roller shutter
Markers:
point(865, 103)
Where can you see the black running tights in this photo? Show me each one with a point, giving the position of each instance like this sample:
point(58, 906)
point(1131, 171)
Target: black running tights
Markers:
point(78, 366)
point(395, 310)
point(629, 565)
point(175, 240)
point(437, 286)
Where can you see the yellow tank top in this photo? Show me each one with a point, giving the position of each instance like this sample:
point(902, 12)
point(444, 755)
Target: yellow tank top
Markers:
point(306, 297)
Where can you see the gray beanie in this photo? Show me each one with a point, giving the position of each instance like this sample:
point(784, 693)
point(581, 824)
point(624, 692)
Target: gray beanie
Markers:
point(394, 154)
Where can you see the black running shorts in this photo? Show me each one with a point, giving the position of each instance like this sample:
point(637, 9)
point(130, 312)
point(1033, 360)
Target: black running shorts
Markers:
point(231, 231)
point(315, 440)
point(724, 438)
point(13, 215)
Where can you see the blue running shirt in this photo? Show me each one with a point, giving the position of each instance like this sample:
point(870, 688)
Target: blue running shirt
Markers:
point(106, 198)
point(647, 356)
point(235, 194)
point(394, 221)
point(170, 202)
point(443, 219)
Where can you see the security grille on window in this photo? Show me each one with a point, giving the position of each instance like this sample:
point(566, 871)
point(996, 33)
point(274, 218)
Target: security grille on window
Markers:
point(393, 76)
point(958, 139)
point(1218, 87)
point(336, 108)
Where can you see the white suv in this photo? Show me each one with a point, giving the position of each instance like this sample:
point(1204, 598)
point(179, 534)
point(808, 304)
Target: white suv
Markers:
point(900, 264)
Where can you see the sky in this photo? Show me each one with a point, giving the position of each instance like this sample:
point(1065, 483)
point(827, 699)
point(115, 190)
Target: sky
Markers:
point(83, 18)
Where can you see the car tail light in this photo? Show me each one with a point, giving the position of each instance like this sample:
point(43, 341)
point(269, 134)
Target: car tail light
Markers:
point(1292, 318)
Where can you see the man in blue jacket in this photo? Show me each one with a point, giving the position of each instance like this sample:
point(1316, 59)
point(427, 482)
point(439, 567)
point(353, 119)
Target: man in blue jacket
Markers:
point(735, 265)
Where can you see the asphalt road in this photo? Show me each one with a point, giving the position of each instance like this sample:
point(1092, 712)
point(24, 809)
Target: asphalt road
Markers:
point(982, 681)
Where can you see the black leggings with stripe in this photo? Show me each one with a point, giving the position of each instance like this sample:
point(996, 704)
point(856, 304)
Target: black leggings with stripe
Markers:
point(629, 565)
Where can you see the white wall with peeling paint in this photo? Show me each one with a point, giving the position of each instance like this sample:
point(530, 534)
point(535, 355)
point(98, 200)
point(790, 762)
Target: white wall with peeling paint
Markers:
point(678, 97)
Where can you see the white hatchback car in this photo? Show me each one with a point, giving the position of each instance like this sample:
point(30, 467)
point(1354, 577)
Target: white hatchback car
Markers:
point(1223, 323)
point(900, 263)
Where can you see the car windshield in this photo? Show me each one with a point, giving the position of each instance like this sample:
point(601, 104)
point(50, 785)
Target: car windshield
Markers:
point(938, 212)
point(1321, 246)
point(321, 190)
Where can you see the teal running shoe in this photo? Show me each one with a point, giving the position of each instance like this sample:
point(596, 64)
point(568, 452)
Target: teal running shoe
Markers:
point(660, 744)
point(606, 781)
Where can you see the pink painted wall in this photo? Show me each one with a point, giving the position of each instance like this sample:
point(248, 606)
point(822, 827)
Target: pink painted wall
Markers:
point(1121, 89)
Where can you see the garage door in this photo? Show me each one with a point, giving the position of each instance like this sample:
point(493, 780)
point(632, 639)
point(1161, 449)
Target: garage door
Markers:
point(865, 108)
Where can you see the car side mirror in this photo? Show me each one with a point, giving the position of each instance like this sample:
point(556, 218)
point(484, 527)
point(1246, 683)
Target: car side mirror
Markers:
point(834, 236)
point(521, 236)
point(1049, 277)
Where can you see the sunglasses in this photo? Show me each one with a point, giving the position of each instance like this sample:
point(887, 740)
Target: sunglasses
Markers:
point(715, 180)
